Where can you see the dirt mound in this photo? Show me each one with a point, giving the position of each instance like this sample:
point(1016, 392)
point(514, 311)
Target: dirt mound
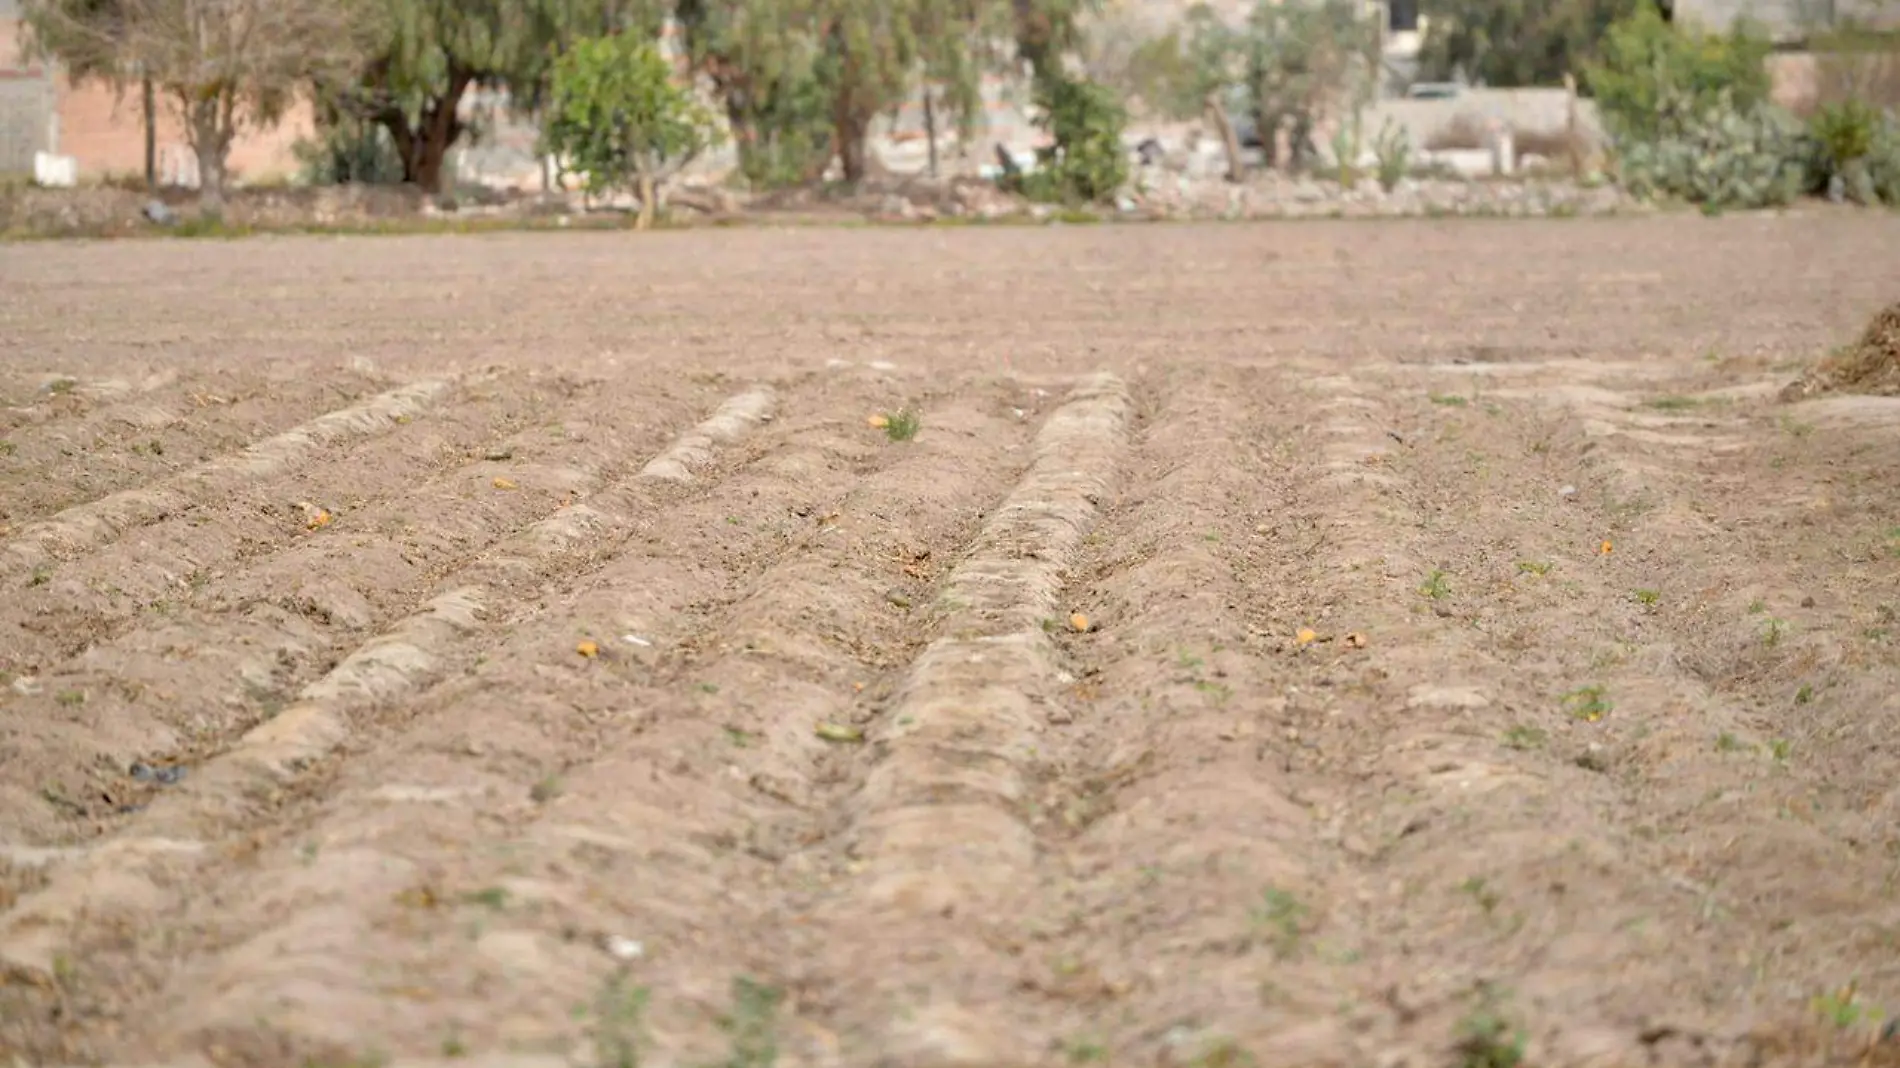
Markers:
point(1870, 365)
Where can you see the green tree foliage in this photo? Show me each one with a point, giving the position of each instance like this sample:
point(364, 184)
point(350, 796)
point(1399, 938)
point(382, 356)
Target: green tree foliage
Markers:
point(1308, 60)
point(801, 81)
point(614, 112)
point(760, 58)
point(1689, 117)
point(1515, 42)
point(428, 54)
point(1175, 72)
point(1087, 161)
point(1653, 72)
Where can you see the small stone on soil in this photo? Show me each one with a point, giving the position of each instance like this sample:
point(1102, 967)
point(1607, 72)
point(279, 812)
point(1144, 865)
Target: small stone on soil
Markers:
point(144, 772)
point(500, 453)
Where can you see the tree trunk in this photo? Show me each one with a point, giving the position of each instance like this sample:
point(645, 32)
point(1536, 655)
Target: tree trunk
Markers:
point(424, 147)
point(149, 99)
point(209, 130)
point(1230, 142)
point(210, 175)
point(930, 126)
point(851, 148)
point(645, 218)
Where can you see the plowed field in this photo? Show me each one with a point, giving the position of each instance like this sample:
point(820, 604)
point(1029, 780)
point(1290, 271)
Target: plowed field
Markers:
point(1360, 645)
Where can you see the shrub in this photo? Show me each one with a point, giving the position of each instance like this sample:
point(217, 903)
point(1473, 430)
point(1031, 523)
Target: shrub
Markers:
point(616, 114)
point(1087, 162)
point(348, 150)
point(1652, 69)
point(1392, 148)
point(1856, 153)
point(1719, 155)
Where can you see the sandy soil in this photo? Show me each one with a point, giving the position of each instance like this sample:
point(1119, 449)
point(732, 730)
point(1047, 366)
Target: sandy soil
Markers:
point(1359, 644)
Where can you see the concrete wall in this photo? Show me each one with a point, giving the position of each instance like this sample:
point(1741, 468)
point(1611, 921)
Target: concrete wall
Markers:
point(26, 99)
point(1523, 110)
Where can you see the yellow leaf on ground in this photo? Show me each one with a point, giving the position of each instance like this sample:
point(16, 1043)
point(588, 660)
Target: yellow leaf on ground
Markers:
point(588, 649)
point(319, 517)
point(1306, 635)
point(1079, 623)
point(878, 422)
point(504, 483)
point(1605, 549)
point(838, 732)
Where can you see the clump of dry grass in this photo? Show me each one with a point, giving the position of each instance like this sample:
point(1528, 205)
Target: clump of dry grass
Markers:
point(1870, 365)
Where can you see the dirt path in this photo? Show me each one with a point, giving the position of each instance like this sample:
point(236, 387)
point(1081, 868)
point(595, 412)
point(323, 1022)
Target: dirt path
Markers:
point(1309, 645)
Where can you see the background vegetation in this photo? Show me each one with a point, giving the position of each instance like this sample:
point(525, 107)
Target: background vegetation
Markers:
point(798, 84)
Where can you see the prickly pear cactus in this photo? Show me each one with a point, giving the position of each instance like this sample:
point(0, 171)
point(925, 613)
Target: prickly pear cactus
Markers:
point(1720, 157)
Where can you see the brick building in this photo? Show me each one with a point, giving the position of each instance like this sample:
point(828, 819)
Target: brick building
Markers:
point(42, 111)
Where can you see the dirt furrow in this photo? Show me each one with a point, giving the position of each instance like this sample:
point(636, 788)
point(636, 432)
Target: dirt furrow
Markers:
point(1452, 817)
point(86, 527)
point(1755, 669)
point(712, 780)
point(27, 400)
point(931, 818)
point(176, 679)
point(558, 715)
point(172, 421)
point(388, 669)
point(1185, 906)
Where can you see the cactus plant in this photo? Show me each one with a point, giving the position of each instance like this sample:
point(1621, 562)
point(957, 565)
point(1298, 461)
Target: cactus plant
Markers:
point(1719, 156)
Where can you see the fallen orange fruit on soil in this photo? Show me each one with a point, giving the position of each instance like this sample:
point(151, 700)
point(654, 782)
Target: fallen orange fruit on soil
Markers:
point(1079, 623)
point(588, 649)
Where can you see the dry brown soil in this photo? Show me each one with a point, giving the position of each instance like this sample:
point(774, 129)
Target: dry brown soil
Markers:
point(522, 650)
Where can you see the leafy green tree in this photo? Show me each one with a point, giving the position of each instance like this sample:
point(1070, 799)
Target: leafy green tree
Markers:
point(614, 111)
point(1652, 70)
point(1176, 72)
point(1515, 42)
point(430, 53)
point(1307, 61)
point(801, 81)
point(760, 57)
point(1087, 162)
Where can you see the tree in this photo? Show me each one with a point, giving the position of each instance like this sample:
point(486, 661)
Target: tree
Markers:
point(760, 57)
point(1515, 42)
point(802, 80)
point(614, 111)
point(1307, 60)
point(1654, 74)
point(221, 65)
point(430, 53)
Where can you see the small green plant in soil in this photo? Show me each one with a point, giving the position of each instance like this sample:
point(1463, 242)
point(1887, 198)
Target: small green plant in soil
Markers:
point(1448, 400)
point(1486, 1040)
point(902, 425)
point(1533, 567)
point(1435, 586)
point(1587, 703)
point(1523, 737)
point(1671, 404)
point(1279, 919)
point(619, 1022)
point(1772, 631)
point(1646, 598)
point(752, 1027)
